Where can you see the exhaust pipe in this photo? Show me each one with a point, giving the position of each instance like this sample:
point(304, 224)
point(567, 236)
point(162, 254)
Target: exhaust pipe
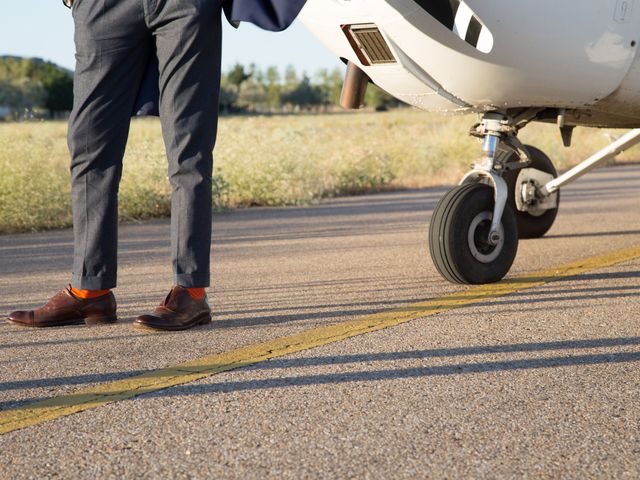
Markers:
point(354, 87)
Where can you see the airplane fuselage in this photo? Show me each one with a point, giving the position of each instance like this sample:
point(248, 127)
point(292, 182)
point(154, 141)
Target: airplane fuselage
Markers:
point(450, 56)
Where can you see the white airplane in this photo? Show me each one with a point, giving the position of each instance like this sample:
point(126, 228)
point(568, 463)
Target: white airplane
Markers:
point(573, 62)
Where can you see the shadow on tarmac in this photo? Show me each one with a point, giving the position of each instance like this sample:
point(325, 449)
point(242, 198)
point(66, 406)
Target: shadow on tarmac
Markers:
point(594, 234)
point(397, 374)
point(551, 292)
point(459, 368)
point(331, 311)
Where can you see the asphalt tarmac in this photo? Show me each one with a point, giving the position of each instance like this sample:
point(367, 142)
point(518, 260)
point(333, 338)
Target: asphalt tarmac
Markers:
point(543, 382)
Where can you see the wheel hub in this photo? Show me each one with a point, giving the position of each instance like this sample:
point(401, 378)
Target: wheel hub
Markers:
point(483, 248)
point(528, 184)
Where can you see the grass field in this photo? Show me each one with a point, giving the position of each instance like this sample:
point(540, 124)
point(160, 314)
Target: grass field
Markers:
point(279, 160)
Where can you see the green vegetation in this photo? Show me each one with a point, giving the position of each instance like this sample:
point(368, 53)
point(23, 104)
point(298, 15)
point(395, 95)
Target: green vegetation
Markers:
point(248, 89)
point(31, 86)
point(262, 160)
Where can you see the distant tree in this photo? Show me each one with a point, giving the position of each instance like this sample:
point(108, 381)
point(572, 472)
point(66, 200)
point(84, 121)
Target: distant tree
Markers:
point(256, 74)
point(228, 95)
point(331, 84)
point(252, 89)
point(305, 95)
point(253, 96)
point(21, 97)
point(9, 94)
point(30, 83)
point(238, 75)
point(291, 79)
point(291, 82)
point(59, 93)
point(379, 99)
point(273, 88)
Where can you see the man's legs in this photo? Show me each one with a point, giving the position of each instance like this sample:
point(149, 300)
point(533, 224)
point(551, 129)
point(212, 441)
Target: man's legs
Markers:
point(188, 43)
point(112, 49)
point(112, 45)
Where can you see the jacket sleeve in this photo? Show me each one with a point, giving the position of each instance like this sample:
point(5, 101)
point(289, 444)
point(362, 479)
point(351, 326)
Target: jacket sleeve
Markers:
point(274, 15)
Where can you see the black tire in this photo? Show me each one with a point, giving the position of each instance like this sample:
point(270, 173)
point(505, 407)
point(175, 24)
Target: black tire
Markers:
point(458, 212)
point(532, 226)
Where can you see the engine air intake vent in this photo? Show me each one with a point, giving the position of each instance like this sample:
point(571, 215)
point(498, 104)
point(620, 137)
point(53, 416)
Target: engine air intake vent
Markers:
point(369, 44)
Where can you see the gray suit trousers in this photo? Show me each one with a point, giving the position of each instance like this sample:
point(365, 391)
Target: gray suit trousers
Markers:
point(114, 40)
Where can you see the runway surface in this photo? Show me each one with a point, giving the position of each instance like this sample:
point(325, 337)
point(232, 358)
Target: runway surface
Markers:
point(535, 377)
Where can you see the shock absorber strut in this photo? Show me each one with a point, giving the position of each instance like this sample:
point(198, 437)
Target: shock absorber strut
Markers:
point(354, 87)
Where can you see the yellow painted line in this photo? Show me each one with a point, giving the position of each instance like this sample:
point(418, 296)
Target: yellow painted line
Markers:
point(163, 378)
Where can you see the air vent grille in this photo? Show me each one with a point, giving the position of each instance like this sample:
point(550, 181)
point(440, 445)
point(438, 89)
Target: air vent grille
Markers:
point(369, 43)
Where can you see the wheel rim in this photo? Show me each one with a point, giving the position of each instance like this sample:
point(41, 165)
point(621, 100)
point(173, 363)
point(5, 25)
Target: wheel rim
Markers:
point(478, 236)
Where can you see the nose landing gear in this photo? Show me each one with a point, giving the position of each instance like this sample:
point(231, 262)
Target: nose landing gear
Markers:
point(512, 193)
point(459, 236)
point(474, 231)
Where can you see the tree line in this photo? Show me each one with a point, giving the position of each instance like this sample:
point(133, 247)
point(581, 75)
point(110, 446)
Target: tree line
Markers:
point(31, 86)
point(250, 89)
point(35, 88)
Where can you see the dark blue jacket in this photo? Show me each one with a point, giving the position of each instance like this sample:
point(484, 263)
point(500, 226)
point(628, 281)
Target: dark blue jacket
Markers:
point(274, 15)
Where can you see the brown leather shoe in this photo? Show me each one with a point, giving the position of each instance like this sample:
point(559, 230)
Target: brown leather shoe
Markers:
point(177, 312)
point(64, 308)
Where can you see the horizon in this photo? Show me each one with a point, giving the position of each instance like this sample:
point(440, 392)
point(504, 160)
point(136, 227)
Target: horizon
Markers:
point(260, 68)
point(49, 36)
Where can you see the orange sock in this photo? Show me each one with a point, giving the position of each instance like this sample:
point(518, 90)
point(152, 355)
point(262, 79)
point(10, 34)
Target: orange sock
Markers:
point(84, 294)
point(196, 293)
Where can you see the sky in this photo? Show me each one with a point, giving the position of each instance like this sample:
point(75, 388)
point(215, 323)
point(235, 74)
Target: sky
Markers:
point(44, 28)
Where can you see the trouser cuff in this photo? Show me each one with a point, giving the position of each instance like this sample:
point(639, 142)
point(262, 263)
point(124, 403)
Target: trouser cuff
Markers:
point(192, 280)
point(93, 283)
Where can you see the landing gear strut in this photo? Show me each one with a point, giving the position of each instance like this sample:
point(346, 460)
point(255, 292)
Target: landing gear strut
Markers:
point(512, 193)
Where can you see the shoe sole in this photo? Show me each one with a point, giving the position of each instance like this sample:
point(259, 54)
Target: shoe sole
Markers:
point(91, 321)
point(198, 321)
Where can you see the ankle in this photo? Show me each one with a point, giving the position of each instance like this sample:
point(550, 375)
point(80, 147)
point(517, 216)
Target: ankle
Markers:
point(85, 294)
point(196, 293)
